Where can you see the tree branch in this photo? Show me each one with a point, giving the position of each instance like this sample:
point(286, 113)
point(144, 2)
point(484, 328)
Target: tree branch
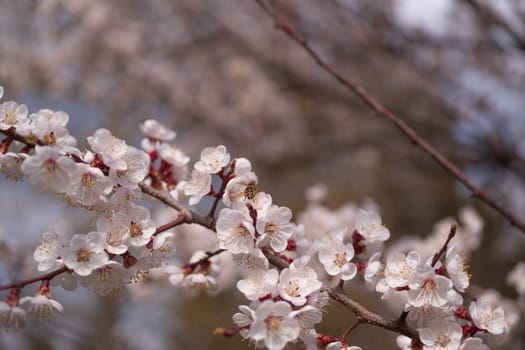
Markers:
point(362, 313)
point(48, 276)
point(487, 14)
point(190, 216)
point(387, 114)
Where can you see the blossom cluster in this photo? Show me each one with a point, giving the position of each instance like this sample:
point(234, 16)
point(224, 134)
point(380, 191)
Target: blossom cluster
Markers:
point(287, 268)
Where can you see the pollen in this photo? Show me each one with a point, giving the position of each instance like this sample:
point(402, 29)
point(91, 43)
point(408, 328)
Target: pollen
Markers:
point(88, 179)
point(135, 230)
point(443, 340)
point(271, 228)
point(340, 259)
point(428, 285)
point(273, 322)
point(83, 255)
point(241, 231)
point(50, 164)
point(293, 288)
point(10, 118)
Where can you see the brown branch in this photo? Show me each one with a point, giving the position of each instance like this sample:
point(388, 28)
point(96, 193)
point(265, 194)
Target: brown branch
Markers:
point(387, 114)
point(190, 216)
point(444, 248)
point(46, 277)
point(181, 219)
point(486, 13)
point(362, 313)
point(350, 328)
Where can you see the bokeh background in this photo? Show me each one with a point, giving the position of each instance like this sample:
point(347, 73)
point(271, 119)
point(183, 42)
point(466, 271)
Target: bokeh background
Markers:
point(218, 72)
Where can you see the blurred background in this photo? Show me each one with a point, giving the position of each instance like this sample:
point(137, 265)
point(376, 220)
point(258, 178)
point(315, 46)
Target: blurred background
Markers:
point(218, 72)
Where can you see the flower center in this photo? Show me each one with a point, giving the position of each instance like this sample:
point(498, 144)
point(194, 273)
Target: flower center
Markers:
point(50, 164)
point(83, 255)
point(88, 179)
point(242, 231)
point(293, 288)
point(428, 285)
point(271, 228)
point(273, 322)
point(50, 138)
point(135, 229)
point(443, 340)
point(340, 259)
point(10, 118)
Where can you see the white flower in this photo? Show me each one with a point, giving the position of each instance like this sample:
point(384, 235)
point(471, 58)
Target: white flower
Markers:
point(48, 169)
point(137, 167)
point(275, 227)
point(252, 261)
point(259, 283)
point(12, 115)
point(473, 344)
point(404, 342)
point(428, 288)
point(198, 186)
point(399, 269)
point(243, 187)
point(106, 279)
point(1, 91)
point(85, 253)
point(88, 184)
point(243, 320)
point(274, 324)
point(335, 257)
point(441, 336)
point(457, 270)
point(173, 155)
point(163, 249)
point(339, 346)
point(141, 225)
point(213, 159)
point(298, 282)
point(67, 280)
point(516, 278)
point(200, 282)
point(57, 118)
point(157, 131)
point(115, 232)
point(47, 252)
point(111, 148)
point(486, 318)
point(235, 231)
point(368, 224)
point(242, 166)
point(11, 165)
point(50, 127)
point(42, 308)
point(374, 271)
point(12, 316)
point(421, 317)
point(308, 316)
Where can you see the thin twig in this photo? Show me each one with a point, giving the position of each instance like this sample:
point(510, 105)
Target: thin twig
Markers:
point(350, 328)
point(166, 198)
point(486, 13)
point(444, 248)
point(46, 277)
point(384, 112)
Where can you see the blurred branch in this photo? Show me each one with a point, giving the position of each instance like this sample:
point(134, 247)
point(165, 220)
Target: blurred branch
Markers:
point(387, 114)
point(488, 15)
